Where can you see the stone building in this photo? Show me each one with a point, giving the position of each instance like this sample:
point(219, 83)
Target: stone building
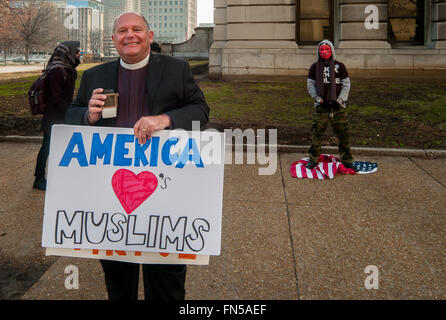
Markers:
point(172, 21)
point(279, 37)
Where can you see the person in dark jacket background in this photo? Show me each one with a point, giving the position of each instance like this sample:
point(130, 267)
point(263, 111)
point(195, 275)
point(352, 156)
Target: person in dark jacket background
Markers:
point(60, 77)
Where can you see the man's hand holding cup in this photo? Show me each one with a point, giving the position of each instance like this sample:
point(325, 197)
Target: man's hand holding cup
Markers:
point(103, 103)
point(95, 104)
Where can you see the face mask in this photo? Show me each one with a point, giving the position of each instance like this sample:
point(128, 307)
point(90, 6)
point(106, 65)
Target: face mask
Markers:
point(76, 59)
point(325, 52)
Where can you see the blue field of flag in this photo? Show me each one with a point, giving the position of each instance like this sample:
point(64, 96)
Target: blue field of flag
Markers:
point(364, 167)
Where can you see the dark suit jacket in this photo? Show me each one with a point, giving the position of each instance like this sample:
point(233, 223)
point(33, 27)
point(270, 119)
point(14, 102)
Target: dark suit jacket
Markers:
point(170, 85)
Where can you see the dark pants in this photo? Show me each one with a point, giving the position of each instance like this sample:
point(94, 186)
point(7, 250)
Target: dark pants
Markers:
point(161, 282)
point(337, 117)
point(42, 157)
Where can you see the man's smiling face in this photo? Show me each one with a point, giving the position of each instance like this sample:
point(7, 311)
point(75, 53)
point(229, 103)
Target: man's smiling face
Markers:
point(132, 38)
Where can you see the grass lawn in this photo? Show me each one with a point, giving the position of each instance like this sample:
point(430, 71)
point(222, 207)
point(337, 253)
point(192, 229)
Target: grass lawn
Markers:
point(401, 113)
point(383, 112)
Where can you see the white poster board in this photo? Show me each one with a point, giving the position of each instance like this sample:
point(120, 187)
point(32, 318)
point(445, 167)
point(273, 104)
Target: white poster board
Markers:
point(105, 191)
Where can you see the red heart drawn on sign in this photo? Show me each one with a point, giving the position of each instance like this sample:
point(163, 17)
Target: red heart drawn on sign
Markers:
point(132, 189)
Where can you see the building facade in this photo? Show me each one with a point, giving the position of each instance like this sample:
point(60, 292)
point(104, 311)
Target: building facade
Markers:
point(83, 20)
point(172, 21)
point(279, 37)
point(112, 9)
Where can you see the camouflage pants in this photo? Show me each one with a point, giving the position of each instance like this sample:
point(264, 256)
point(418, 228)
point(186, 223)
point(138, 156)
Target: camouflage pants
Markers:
point(338, 119)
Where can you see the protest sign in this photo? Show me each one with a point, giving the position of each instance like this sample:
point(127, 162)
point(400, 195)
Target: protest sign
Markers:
point(105, 191)
point(129, 256)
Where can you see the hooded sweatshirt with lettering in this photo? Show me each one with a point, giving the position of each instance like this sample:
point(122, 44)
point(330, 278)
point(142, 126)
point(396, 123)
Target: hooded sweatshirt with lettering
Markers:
point(328, 79)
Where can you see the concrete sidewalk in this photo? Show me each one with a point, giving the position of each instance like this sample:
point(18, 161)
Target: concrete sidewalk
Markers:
point(21, 68)
point(283, 238)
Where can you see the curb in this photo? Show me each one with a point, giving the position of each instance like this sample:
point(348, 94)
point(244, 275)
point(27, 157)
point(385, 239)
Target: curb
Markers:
point(36, 139)
point(418, 153)
point(423, 153)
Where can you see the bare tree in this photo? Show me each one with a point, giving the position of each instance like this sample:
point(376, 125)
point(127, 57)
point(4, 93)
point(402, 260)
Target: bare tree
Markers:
point(36, 24)
point(4, 8)
point(96, 41)
point(7, 38)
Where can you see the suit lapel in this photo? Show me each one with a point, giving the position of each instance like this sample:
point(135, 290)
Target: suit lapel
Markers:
point(154, 73)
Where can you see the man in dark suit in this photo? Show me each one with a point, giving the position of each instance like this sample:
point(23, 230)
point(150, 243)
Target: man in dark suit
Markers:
point(156, 92)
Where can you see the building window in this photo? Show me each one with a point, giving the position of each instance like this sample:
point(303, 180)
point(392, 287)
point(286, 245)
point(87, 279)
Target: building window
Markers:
point(314, 21)
point(406, 22)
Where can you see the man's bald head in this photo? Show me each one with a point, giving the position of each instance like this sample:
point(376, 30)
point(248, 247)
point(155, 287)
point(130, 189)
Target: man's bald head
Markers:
point(146, 23)
point(132, 37)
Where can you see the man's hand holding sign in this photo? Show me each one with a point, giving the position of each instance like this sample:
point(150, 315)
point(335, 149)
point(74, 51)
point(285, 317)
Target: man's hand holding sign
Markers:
point(143, 128)
point(130, 212)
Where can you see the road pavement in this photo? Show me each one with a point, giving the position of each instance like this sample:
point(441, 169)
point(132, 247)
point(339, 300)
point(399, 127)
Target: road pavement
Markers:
point(282, 238)
point(21, 68)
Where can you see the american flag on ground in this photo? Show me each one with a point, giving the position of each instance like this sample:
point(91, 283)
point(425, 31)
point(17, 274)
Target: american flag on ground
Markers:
point(328, 166)
point(364, 167)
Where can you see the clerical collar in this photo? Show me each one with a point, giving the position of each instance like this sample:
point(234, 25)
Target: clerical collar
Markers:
point(135, 66)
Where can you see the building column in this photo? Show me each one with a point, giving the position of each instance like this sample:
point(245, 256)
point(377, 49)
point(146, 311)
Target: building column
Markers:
point(439, 24)
point(260, 37)
point(356, 29)
point(219, 37)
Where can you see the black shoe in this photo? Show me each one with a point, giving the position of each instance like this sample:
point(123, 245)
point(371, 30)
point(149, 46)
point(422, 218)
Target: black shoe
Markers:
point(311, 164)
point(350, 165)
point(40, 184)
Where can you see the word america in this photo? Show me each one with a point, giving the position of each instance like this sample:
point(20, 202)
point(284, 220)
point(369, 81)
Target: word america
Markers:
point(103, 150)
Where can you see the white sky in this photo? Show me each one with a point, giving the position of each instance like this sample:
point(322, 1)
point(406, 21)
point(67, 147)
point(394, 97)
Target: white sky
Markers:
point(205, 11)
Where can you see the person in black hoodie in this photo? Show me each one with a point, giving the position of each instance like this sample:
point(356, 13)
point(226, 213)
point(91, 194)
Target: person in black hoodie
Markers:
point(328, 84)
point(60, 77)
